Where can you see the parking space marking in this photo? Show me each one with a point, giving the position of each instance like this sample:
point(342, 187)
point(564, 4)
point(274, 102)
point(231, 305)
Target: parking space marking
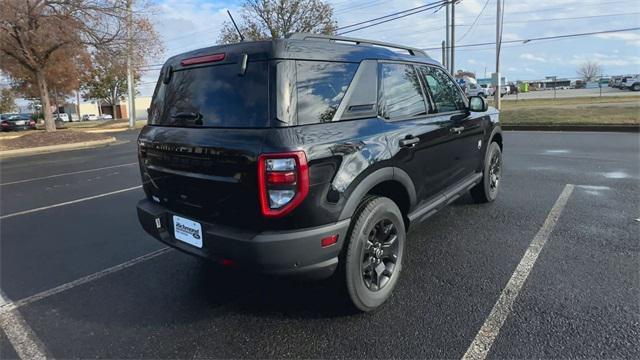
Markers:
point(68, 202)
point(20, 335)
point(66, 174)
point(487, 334)
point(10, 306)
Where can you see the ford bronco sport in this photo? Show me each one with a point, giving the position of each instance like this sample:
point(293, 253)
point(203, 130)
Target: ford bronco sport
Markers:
point(311, 155)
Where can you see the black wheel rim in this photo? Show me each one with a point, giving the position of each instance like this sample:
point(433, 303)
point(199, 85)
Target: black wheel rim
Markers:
point(380, 255)
point(494, 171)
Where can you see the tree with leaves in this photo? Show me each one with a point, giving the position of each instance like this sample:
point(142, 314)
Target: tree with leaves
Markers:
point(34, 32)
point(107, 80)
point(590, 71)
point(274, 19)
point(7, 101)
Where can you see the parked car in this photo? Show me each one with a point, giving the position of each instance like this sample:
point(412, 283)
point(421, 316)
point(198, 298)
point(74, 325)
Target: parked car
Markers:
point(105, 117)
point(311, 156)
point(627, 82)
point(89, 117)
point(10, 122)
point(477, 90)
point(61, 116)
point(632, 83)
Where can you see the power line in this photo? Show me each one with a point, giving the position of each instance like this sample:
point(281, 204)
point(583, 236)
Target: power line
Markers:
point(558, 19)
point(392, 14)
point(431, 6)
point(524, 41)
point(474, 21)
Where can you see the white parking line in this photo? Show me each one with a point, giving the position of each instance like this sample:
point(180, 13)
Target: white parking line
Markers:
point(68, 202)
point(483, 341)
point(66, 174)
point(10, 306)
point(20, 335)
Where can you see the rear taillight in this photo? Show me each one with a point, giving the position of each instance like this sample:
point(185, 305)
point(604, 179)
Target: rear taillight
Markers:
point(283, 180)
point(4, 124)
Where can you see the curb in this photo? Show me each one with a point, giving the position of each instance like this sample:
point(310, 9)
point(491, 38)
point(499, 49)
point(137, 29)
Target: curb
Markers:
point(594, 128)
point(100, 131)
point(55, 148)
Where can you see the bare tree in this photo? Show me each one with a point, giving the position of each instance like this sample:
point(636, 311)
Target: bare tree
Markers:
point(34, 32)
point(273, 19)
point(590, 71)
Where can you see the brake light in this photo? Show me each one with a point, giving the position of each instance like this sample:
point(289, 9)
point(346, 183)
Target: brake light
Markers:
point(283, 180)
point(202, 59)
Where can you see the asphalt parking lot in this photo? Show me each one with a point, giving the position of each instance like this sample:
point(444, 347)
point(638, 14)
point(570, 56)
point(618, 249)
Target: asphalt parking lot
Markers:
point(80, 279)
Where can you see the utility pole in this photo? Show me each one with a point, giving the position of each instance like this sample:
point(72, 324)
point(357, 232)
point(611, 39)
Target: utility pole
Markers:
point(498, 41)
point(453, 37)
point(444, 54)
point(448, 36)
point(131, 88)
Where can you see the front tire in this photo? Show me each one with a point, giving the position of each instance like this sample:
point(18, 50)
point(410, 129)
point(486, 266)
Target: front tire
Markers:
point(635, 87)
point(487, 190)
point(373, 254)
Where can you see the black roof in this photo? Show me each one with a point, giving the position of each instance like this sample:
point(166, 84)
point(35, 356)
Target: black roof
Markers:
point(311, 47)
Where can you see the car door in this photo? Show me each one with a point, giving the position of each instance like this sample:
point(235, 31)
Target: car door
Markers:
point(417, 138)
point(465, 128)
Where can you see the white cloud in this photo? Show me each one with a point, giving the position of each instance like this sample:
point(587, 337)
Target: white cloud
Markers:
point(530, 56)
point(629, 38)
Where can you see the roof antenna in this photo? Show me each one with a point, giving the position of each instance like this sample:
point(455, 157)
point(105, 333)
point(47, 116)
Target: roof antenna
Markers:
point(236, 26)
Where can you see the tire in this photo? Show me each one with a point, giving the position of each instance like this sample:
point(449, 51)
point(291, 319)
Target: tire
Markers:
point(376, 237)
point(487, 190)
point(635, 87)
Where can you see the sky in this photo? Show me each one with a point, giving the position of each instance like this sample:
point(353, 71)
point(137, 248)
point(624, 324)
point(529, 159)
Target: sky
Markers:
point(191, 24)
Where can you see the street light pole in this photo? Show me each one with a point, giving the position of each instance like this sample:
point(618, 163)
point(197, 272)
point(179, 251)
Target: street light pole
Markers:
point(453, 37)
point(448, 36)
point(130, 79)
point(498, 40)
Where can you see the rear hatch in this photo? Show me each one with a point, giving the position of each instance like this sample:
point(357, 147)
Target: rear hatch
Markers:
point(198, 156)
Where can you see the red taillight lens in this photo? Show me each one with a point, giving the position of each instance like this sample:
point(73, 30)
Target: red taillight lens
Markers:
point(283, 180)
point(5, 124)
point(202, 59)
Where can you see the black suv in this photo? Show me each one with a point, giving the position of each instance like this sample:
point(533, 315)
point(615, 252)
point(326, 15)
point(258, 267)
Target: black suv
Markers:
point(310, 155)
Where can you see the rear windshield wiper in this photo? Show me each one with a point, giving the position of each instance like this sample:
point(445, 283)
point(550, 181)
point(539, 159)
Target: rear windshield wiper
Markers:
point(188, 116)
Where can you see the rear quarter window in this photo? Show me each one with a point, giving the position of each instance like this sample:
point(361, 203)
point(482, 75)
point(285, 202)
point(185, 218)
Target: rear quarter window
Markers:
point(321, 87)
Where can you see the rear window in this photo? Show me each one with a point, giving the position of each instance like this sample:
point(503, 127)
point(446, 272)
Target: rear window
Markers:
point(213, 96)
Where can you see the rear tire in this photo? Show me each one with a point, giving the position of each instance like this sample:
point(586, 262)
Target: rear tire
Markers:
point(635, 87)
point(487, 190)
point(372, 258)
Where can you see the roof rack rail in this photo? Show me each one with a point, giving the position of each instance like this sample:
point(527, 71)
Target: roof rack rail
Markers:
point(307, 36)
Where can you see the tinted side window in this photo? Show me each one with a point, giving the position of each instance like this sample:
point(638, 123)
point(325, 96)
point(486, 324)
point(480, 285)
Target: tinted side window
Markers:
point(444, 91)
point(401, 93)
point(321, 87)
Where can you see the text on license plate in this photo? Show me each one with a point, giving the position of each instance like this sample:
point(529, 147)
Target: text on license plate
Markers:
point(187, 231)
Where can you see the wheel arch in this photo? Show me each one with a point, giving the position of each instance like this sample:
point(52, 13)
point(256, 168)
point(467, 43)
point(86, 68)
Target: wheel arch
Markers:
point(390, 182)
point(496, 135)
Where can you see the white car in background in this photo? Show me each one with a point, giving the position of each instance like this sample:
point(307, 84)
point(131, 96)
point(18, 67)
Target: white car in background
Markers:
point(62, 116)
point(477, 90)
point(89, 117)
point(105, 117)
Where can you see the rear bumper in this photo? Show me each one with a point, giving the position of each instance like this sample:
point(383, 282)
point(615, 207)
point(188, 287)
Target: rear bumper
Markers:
point(297, 252)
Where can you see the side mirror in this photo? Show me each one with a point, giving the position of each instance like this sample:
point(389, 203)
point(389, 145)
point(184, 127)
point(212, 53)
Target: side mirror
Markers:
point(477, 104)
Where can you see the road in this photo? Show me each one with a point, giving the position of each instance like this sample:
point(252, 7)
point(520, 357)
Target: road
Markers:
point(66, 296)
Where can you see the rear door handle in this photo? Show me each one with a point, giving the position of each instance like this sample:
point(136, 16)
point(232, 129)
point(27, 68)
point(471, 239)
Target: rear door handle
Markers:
point(457, 130)
point(410, 141)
